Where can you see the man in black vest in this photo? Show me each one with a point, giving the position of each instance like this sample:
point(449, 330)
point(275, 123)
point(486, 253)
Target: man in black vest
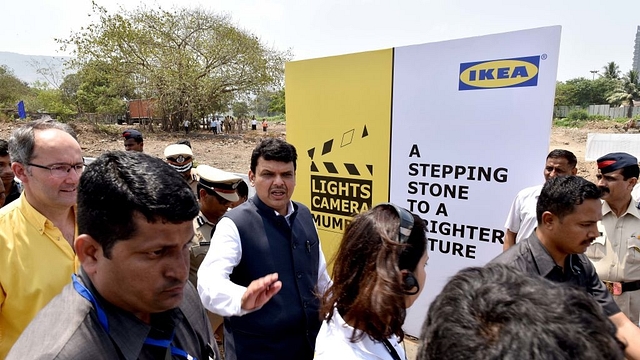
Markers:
point(266, 266)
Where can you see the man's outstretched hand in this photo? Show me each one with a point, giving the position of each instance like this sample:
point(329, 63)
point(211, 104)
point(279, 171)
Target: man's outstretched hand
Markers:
point(260, 291)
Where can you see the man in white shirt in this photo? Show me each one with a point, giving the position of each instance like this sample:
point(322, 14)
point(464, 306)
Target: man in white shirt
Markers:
point(521, 220)
point(266, 267)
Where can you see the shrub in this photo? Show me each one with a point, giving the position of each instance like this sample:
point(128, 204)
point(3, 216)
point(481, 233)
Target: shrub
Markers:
point(578, 114)
point(598, 118)
point(566, 122)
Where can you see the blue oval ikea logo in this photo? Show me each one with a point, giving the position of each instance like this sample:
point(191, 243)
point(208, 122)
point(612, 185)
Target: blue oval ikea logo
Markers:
point(503, 73)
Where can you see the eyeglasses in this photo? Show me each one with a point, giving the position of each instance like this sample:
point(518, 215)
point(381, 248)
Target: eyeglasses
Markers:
point(61, 170)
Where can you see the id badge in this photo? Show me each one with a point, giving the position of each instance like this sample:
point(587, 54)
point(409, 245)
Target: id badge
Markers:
point(617, 288)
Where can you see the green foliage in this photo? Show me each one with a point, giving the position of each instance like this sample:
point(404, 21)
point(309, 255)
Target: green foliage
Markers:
point(240, 109)
point(269, 103)
point(277, 104)
point(578, 114)
point(584, 92)
point(108, 129)
point(566, 122)
point(192, 61)
point(598, 118)
point(623, 120)
point(611, 71)
point(626, 91)
point(277, 118)
point(12, 89)
point(50, 101)
point(95, 89)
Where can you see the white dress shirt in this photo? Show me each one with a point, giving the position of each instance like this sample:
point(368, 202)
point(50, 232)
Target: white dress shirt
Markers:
point(522, 215)
point(217, 292)
point(333, 343)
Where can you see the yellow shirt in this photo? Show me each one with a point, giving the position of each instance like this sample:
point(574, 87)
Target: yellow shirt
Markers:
point(36, 262)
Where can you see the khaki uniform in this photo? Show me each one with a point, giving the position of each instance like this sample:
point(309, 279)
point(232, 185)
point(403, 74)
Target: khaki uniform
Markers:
point(193, 181)
point(616, 254)
point(203, 229)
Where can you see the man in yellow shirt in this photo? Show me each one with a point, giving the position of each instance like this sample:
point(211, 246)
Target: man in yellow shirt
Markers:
point(37, 230)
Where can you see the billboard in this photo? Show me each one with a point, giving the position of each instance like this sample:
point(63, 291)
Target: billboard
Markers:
point(448, 130)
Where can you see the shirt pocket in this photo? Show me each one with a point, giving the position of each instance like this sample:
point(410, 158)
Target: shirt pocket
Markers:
point(633, 251)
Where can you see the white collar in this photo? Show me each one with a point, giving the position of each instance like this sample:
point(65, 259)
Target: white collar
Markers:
point(366, 345)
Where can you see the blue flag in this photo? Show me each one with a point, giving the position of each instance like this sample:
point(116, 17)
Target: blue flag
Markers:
point(21, 112)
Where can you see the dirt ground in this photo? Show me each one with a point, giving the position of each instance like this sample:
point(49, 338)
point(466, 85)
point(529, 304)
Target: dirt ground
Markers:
point(232, 152)
point(575, 140)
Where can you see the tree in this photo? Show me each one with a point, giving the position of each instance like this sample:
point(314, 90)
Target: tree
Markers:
point(269, 102)
point(240, 109)
point(49, 100)
point(12, 89)
point(611, 71)
point(192, 61)
point(584, 92)
point(49, 69)
point(628, 90)
point(277, 102)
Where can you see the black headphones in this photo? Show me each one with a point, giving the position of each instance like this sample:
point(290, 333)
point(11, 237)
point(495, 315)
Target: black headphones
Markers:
point(409, 282)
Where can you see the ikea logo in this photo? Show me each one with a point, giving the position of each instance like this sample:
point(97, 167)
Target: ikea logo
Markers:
point(505, 73)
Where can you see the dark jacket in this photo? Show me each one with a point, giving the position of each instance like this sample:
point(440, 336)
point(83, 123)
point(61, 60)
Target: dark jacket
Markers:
point(287, 325)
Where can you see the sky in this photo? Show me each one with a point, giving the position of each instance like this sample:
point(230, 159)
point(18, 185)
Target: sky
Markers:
point(594, 32)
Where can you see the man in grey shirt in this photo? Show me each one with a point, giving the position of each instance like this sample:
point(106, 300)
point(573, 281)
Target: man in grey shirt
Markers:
point(131, 298)
point(568, 211)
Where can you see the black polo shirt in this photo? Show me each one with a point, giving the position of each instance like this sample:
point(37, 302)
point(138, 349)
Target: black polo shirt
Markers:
point(14, 193)
point(530, 256)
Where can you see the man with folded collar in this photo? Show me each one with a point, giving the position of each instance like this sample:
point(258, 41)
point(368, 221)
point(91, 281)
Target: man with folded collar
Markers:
point(616, 252)
point(133, 140)
point(216, 193)
point(180, 157)
point(568, 211)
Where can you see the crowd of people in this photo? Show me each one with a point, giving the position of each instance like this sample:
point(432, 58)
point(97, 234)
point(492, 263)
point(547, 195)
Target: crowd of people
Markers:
point(136, 257)
point(232, 125)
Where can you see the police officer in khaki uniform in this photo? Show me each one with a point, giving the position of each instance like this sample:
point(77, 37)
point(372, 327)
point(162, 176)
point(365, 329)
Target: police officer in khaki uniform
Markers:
point(180, 157)
point(616, 252)
point(216, 191)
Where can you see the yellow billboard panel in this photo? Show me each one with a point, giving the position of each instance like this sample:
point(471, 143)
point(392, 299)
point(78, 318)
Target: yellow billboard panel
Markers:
point(338, 118)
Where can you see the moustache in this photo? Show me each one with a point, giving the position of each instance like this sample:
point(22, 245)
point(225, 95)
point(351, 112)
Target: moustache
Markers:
point(170, 284)
point(604, 189)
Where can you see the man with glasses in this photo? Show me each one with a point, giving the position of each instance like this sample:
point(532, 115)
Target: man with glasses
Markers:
point(616, 252)
point(37, 230)
point(130, 298)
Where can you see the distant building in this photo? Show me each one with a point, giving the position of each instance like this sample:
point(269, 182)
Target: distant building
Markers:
point(636, 52)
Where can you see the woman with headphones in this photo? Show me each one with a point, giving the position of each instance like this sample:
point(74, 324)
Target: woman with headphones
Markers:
point(378, 273)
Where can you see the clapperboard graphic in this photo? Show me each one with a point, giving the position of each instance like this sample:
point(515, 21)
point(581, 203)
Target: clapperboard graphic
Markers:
point(340, 189)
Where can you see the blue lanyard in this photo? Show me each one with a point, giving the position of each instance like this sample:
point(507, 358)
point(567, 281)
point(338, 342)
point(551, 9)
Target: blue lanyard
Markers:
point(102, 318)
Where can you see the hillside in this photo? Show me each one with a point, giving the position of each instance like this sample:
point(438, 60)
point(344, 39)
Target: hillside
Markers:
point(24, 66)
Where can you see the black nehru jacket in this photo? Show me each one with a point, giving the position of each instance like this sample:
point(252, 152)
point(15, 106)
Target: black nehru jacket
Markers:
point(287, 325)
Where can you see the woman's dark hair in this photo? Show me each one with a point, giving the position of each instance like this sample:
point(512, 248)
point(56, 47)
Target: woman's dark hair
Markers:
point(367, 287)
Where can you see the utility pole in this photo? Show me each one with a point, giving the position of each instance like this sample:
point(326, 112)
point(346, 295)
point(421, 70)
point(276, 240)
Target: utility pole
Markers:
point(593, 74)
